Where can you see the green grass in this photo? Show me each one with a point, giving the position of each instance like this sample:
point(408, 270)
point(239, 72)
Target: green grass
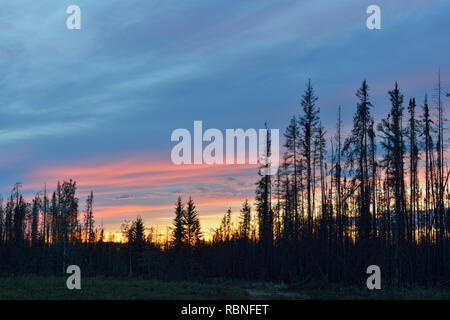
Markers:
point(317, 291)
point(54, 288)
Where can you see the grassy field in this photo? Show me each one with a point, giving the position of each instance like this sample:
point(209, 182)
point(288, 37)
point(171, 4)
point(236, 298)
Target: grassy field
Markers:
point(34, 287)
point(122, 288)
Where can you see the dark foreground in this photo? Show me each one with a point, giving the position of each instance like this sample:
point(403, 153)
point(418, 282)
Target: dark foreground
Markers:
point(34, 287)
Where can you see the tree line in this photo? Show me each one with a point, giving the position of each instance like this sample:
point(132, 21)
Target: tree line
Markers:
point(379, 195)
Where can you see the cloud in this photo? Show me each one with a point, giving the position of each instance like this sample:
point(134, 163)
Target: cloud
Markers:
point(149, 187)
point(11, 135)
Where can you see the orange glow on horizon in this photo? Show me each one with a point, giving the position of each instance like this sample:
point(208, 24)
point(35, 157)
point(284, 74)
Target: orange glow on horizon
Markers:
point(150, 189)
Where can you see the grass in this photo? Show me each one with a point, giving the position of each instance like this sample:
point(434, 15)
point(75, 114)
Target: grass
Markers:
point(317, 291)
point(54, 288)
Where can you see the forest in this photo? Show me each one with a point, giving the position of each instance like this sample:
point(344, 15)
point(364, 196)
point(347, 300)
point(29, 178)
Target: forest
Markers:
point(378, 195)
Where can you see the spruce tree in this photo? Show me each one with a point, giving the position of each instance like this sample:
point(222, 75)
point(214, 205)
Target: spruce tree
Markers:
point(178, 224)
point(308, 124)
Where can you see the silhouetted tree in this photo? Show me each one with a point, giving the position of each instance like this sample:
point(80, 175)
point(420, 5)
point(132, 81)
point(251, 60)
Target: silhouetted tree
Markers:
point(179, 224)
point(191, 224)
point(308, 123)
point(89, 232)
point(356, 148)
point(245, 220)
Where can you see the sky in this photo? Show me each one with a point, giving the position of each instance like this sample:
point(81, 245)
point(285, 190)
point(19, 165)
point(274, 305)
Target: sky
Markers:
point(99, 104)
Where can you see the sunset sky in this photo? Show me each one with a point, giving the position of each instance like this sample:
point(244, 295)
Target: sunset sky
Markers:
point(99, 104)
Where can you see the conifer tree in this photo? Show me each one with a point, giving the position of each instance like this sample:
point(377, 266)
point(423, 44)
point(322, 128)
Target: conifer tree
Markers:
point(191, 224)
point(356, 148)
point(308, 124)
point(245, 220)
point(179, 224)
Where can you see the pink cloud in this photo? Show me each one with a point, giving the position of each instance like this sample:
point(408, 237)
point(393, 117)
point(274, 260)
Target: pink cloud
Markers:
point(116, 183)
